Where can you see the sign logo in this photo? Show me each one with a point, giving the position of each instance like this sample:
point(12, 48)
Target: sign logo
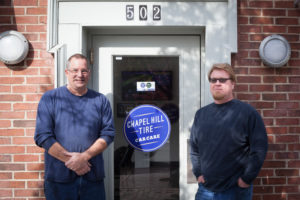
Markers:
point(146, 128)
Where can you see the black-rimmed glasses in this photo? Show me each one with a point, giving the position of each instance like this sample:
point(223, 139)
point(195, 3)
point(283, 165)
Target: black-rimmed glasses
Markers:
point(221, 80)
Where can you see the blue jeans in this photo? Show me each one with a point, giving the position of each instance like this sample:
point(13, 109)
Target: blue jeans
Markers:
point(234, 193)
point(80, 189)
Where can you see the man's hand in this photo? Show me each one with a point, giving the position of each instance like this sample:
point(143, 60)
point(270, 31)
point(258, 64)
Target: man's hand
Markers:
point(78, 163)
point(201, 179)
point(242, 184)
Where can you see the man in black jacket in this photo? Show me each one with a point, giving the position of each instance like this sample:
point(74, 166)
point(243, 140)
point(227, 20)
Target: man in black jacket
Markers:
point(228, 142)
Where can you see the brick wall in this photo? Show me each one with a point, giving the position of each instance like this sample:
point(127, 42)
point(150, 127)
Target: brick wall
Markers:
point(21, 86)
point(274, 92)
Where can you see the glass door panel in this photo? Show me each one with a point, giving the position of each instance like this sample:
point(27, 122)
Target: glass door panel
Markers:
point(137, 174)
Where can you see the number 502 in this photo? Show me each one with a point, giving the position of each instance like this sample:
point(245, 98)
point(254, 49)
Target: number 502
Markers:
point(143, 12)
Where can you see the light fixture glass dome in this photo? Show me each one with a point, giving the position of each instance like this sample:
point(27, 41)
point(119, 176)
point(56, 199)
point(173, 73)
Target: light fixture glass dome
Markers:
point(13, 47)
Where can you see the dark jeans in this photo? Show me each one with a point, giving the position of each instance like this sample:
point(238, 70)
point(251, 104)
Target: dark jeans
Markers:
point(234, 193)
point(80, 189)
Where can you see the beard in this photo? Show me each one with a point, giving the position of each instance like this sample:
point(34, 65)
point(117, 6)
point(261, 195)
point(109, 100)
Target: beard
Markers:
point(218, 96)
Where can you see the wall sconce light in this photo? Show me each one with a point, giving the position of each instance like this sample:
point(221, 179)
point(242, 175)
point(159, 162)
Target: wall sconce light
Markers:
point(13, 47)
point(275, 51)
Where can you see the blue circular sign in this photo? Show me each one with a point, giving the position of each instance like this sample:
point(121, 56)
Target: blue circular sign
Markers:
point(147, 128)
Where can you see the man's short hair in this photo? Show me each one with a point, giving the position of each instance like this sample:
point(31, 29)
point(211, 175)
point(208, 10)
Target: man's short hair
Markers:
point(225, 67)
point(78, 56)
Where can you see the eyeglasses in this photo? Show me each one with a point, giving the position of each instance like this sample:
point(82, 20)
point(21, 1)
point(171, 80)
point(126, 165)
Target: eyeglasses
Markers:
point(221, 80)
point(75, 71)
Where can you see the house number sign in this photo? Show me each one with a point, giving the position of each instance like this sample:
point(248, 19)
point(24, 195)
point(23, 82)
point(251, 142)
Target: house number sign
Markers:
point(143, 12)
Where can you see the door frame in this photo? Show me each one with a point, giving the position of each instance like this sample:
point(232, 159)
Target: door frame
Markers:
point(187, 48)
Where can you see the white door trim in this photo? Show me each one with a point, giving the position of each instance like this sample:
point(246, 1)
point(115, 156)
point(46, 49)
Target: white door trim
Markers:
point(188, 50)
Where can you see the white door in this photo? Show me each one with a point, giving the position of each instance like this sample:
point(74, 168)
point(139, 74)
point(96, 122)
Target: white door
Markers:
point(177, 57)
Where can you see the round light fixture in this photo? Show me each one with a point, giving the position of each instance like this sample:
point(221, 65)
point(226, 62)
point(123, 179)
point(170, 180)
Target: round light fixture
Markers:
point(275, 51)
point(13, 47)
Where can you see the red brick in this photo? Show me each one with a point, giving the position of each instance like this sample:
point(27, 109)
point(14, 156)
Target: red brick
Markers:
point(261, 20)
point(287, 105)
point(263, 189)
point(5, 3)
point(294, 13)
point(294, 164)
point(26, 71)
point(33, 97)
point(12, 167)
point(12, 115)
point(261, 4)
point(11, 149)
point(250, 29)
point(287, 88)
point(36, 11)
point(12, 11)
point(5, 193)
point(36, 28)
point(277, 130)
point(11, 80)
point(11, 132)
point(294, 196)
point(31, 115)
point(266, 173)
point(5, 141)
point(5, 20)
point(287, 138)
point(39, 80)
point(281, 196)
point(250, 96)
point(5, 123)
point(5, 158)
point(275, 79)
point(43, 2)
point(277, 147)
point(35, 184)
point(25, 106)
point(5, 88)
point(294, 129)
point(294, 180)
point(287, 172)
point(11, 97)
point(25, 3)
point(35, 166)
point(262, 105)
point(275, 113)
point(273, 12)
point(294, 147)
point(26, 158)
point(294, 113)
point(273, 96)
point(274, 164)
point(251, 12)
point(24, 123)
point(26, 175)
point(248, 79)
point(261, 88)
point(12, 184)
point(20, 28)
point(25, 20)
point(287, 121)
point(274, 181)
point(27, 193)
point(5, 175)
point(286, 21)
point(275, 29)
point(37, 45)
point(286, 155)
point(284, 4)
point(25, 89)
point(34, 149)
